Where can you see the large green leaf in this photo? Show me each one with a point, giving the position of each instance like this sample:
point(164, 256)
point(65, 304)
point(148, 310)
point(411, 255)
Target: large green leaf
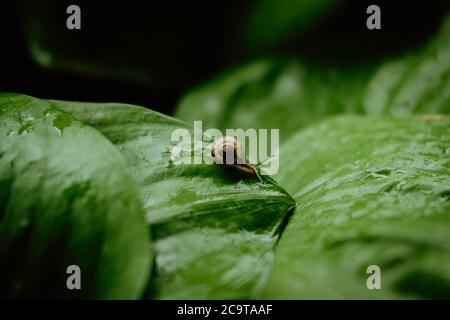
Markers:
point(66, 199)
point(292, 94)
point(369, 192)
point(214, 229)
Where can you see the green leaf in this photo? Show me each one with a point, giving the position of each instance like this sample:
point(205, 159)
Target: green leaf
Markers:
point(292, 94)
point(416, 83)
point(214, 229)
point(370, 191)
point(275, 94)
point(66, 199)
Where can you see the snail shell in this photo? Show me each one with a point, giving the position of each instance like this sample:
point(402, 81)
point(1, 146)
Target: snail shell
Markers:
point(228, 151)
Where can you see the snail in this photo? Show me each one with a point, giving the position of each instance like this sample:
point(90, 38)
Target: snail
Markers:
point(228, 151)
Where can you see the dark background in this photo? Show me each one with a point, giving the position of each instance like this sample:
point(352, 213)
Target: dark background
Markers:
point(150, 53)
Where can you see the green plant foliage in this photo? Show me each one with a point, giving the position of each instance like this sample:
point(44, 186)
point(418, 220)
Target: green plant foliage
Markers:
point(290, 94)
point(364, 166)
point(274, 94)
point(416, 83)
point(66, 199)
point(214, 229)
point(369, 191)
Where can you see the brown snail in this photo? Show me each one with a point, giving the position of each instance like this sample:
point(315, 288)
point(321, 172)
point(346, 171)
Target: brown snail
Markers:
point(228, 151)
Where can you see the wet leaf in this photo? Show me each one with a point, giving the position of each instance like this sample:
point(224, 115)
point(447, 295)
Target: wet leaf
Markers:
point(369, 192)
point(66, 199)
point(214, 228)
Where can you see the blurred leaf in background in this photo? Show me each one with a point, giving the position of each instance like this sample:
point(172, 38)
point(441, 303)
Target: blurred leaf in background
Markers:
point(157, 46)
point(274, 93)
point(419, 82)
point(160, 46)
point(291, 94)
point(165, 45)
point(150, 53)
